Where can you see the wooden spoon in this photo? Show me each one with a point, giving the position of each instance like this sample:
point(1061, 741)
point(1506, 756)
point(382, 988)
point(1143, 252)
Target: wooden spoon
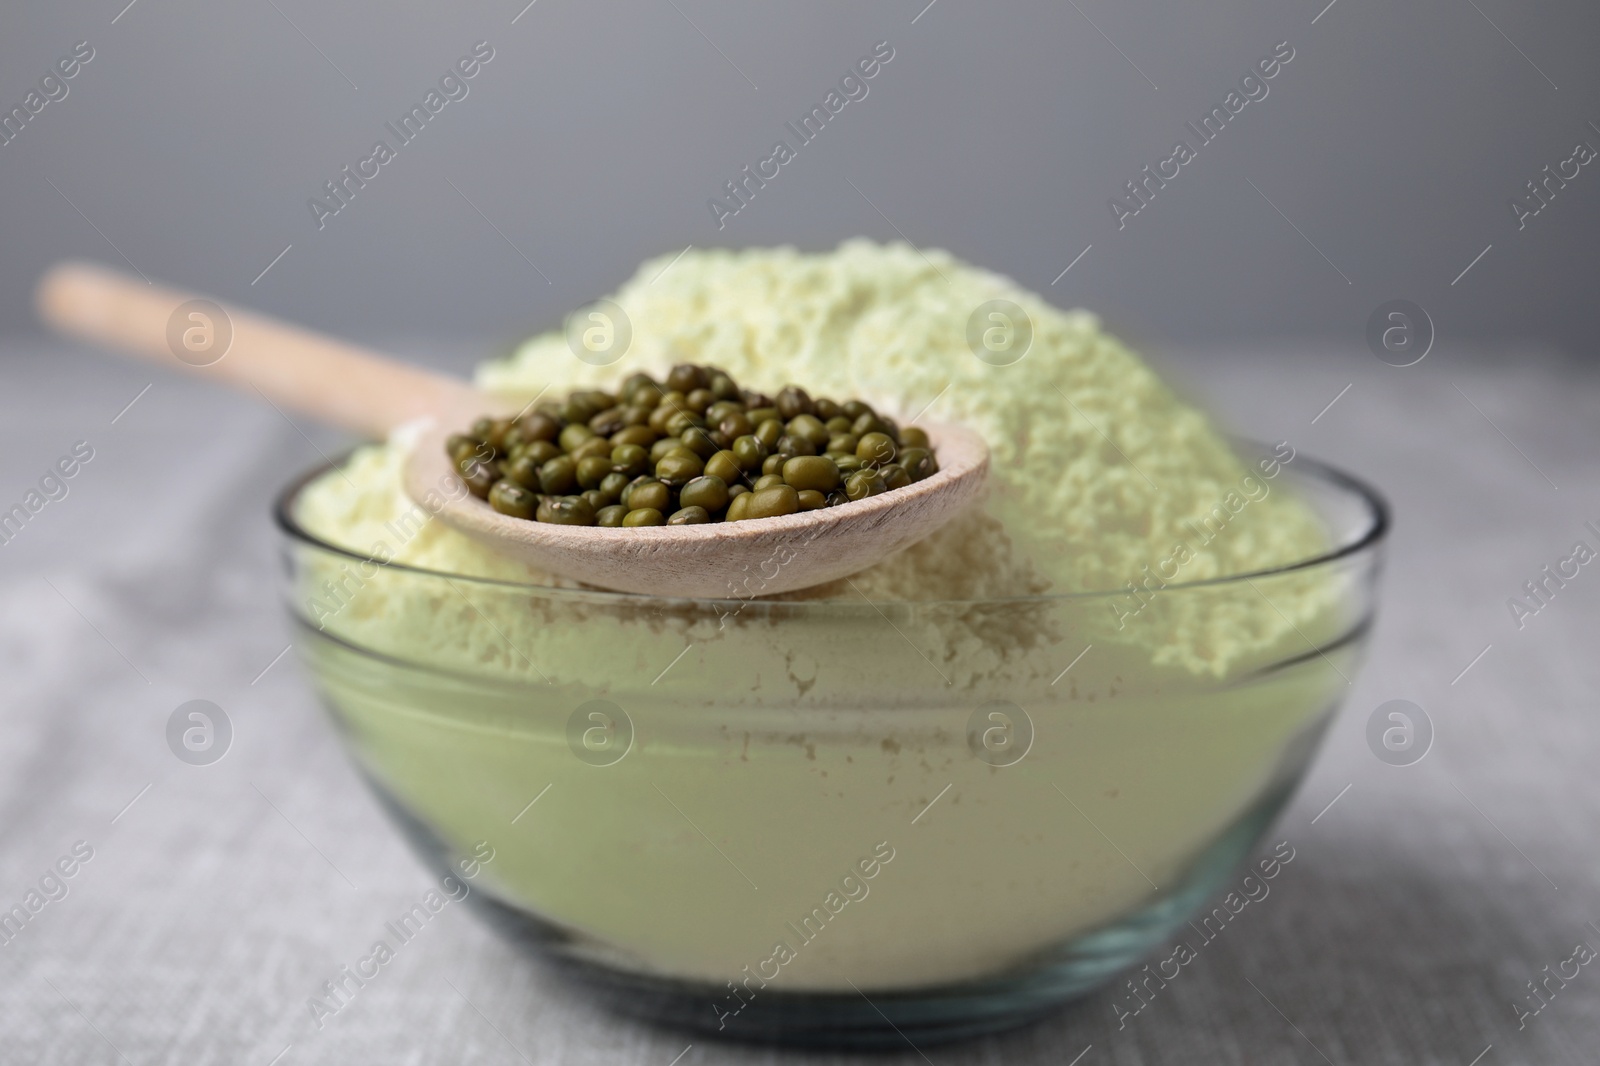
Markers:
point(373, 395)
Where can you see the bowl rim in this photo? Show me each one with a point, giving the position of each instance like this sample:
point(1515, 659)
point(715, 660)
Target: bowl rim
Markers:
point(1367, 536)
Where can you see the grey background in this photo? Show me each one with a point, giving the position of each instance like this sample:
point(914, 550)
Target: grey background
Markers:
point(999, 131)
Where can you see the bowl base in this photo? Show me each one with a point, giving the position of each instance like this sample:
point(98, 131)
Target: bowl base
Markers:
point(878, 1020)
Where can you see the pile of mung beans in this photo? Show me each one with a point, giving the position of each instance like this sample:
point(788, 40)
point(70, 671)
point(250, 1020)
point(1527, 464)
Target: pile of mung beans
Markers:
point(694, 448)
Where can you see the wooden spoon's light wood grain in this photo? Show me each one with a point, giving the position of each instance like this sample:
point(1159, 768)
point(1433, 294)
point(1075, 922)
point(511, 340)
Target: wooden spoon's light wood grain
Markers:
point(370, 394)
point(327, 379)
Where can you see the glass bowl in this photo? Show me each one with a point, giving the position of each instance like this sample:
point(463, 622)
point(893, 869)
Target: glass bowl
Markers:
point(837, 822)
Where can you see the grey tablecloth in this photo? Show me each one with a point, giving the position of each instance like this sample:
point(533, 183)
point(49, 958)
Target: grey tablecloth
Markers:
point(218, 898)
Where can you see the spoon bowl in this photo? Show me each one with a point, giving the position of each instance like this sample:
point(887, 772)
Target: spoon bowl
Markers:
point(718, 559)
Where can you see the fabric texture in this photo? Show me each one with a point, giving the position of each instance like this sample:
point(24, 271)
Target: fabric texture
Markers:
point(218, 898)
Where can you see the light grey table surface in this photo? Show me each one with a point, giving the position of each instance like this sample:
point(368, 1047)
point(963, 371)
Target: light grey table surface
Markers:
point(1417, 906)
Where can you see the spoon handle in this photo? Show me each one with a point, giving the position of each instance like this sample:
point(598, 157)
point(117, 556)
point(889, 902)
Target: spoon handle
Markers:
point(326, 379)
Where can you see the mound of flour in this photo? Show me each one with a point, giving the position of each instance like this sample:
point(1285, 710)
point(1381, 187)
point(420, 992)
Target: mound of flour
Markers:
point(1100, 475)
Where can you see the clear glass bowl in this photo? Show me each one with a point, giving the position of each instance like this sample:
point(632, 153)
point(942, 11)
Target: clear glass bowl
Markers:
point(837, 822)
